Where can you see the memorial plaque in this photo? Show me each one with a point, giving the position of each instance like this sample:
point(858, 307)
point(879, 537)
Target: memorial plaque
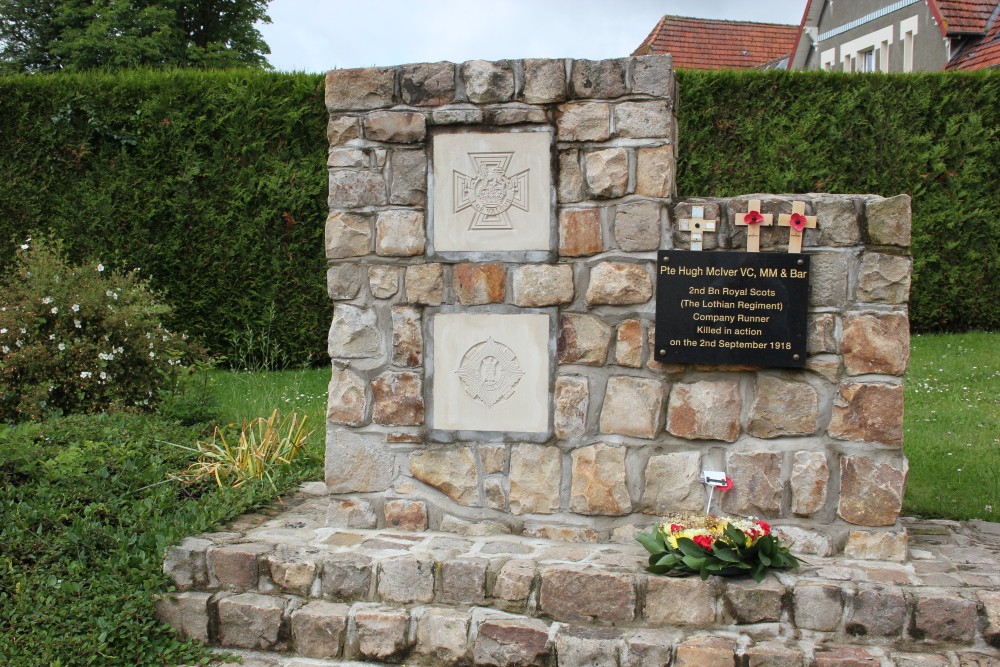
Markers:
point(732, 308)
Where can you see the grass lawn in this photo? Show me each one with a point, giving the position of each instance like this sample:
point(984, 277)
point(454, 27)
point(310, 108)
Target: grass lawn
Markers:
point(953, 426)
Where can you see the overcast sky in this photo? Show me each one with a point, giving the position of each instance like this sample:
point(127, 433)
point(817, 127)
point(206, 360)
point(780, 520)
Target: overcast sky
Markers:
point(318, 35)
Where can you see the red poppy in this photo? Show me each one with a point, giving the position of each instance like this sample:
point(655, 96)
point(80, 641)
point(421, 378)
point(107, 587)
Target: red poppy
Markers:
point(674, 528)
point(798, 222)
point(729, 484)
point(753, 218)
point(703, 541)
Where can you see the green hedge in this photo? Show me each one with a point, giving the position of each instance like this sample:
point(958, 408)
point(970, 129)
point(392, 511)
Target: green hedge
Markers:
point(214, 184)
point(934, 136)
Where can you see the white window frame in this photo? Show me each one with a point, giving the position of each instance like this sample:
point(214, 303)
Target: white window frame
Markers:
point(828, 59)
point(858, 47)
point(908, 29)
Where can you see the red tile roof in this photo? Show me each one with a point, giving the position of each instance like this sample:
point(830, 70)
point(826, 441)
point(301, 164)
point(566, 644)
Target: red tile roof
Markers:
point(966, 16)
point(715, 44)
point(982, 55)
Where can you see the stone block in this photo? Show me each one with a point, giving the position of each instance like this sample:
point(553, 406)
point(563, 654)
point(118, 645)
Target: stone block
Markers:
point(442, 636)
point(538, 285)
point(343, 281)
point(628, 344)
point(672, 483)
point(357, 189)
point(347, 157)
point(293, 569)
point(637, 226)
point(535, 477)
point(648, 647)
point(991, 607)
point(514, 581)
point(347, 401)
point(570, 186)
point(877, 613)
point(827, 366)
point(598, 486)
point(409, 178)
point(876, 343)
point(781, 407)
point(889, 220)
point(884, 278)
point(580, 232)
point(747, 602)
point(655, 171)
point(400, 127)
point(846, 657)
point(643, 120)
point(357, 462)
point(451, 471)
point(581, 594)
point(828, 279)
point(871, 493)
point(488, 82)
point(403, 514)
point(406, 580)
point(836, 221)
point(606, 172)
point(185, 612)
point(250, 620)
point(619, 284)
point(350, 513)
point(463, 580)
point(348, 235)
point(354, 333)
point(512, 642)
point(544, 81)
point(705, 410)
point(757, 486)
point(493, 458)
point(235, 567)
point(359, 89)
point(588, 647)
point(425, 284)
point(682, 601)
point(427, 84)
point(773, 654)
point(399, 233)
point(407, 337)
point(684, 211)
point(877, 545)
point(809, 481)
point(570, 403)
point(517, 115)
point(341, 129)
point(346, 577)
point(653, 75)
point(398, 399)
point(318, 628)
point(869, 412)
point(944, 617)
point(818, 605)
point(632, 406)
point(560, 533)
point(705, 651)
point(457, 115)
point(382, 633)
point(587, 121)
point(583, 339)
point(922, 660)
point(821, 333)
point(601, 79)
point(479, 284)
point(185, 563)
point(384, 280)
point(495, 492)
point(803, 541)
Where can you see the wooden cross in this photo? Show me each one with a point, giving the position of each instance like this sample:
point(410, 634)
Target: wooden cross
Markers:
point(798, 221)
point(697, 225)
point(753, 223)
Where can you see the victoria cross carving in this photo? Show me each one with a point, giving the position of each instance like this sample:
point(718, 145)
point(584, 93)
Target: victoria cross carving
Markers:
point(490, 192)
point(489, 372)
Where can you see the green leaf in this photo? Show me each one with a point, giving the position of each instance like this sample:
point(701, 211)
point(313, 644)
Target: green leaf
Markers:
point(652, 541)
point(724, 553)
point(689, 548)
point(693, 562)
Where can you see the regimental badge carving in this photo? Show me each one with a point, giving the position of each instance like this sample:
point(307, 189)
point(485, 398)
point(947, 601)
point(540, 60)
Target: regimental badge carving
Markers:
point(490, 192)
point(490, 372)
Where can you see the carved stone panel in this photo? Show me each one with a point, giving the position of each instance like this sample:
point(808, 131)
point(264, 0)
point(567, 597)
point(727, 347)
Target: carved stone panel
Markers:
point(491, 192)
point(491, 372)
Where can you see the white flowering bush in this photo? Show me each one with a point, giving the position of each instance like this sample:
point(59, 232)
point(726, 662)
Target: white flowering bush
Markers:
point(77, 339)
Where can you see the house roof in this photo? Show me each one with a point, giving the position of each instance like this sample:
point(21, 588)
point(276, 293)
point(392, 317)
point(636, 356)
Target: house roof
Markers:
point(966, 16)
point(715, 44)
point(983, 54)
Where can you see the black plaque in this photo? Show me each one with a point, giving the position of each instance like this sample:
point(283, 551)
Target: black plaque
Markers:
point(732, 308)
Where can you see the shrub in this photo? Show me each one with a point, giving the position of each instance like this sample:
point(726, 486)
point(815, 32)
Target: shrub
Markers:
point(79, 339)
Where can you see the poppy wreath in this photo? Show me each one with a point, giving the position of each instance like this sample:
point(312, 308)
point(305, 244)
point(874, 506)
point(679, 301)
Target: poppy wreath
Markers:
point(705, 545)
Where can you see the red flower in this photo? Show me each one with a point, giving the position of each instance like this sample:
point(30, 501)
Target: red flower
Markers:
point(798, 222)
point(703, 541)
point(729, 484)
point(674, 528)
point(765, 527)
point(755, 218)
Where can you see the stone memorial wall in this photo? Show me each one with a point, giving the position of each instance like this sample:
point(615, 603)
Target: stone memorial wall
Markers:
point(492, 245)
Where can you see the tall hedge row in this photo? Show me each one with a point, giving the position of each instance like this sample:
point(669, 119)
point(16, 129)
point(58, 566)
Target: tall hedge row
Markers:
point(213, 184)
point(934, 136)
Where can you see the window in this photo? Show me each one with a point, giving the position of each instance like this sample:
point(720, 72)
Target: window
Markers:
point(908, 30)
point(866, 60)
